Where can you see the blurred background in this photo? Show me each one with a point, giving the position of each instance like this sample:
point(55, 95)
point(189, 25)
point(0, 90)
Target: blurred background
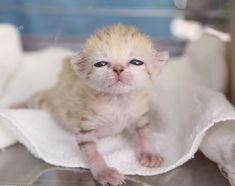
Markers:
point(67, 23)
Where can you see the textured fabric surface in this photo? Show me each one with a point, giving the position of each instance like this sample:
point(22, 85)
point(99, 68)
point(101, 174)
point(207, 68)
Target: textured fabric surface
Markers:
point(186, 100)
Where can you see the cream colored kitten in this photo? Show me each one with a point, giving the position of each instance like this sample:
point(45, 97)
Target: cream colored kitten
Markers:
point(105, 91)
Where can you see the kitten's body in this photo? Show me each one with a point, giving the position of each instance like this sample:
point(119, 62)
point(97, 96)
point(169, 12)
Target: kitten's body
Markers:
point(71, 101)
point(104, 92)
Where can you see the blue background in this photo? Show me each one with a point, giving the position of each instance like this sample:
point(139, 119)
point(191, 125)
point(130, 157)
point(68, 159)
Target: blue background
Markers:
point(69, 18)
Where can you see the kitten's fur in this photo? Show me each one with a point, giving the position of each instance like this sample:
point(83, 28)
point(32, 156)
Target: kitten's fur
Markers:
point(95, 102)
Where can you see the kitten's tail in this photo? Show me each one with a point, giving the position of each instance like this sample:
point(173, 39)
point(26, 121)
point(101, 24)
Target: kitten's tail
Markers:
point(39, 100)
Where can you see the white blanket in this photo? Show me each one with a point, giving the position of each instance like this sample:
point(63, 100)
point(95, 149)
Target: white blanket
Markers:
point(187, 99)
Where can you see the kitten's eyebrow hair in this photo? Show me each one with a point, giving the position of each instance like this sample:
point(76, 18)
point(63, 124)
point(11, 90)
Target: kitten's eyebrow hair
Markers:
point(105, 55)
point(131, 54)
point(125, 32)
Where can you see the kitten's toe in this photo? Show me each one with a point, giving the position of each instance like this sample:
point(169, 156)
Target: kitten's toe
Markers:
point(147, 159)
point(110, 177)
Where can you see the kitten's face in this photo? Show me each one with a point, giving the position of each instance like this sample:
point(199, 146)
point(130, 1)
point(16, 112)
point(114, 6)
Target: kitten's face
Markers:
point(118, 73)
point(118, 60)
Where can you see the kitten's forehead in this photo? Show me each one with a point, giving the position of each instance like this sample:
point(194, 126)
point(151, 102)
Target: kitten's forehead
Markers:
point(118, 41)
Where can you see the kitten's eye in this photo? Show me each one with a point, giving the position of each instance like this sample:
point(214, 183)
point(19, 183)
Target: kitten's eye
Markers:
point(100, 64)
point(136, 62)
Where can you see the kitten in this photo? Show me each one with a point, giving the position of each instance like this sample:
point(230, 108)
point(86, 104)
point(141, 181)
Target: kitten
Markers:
point(103, 92)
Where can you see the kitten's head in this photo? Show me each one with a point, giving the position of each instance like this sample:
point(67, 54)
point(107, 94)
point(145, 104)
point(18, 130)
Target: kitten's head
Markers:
point(119, 59)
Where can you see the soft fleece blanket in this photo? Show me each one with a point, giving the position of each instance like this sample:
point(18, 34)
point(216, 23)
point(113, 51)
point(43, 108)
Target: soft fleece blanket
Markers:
point(186, 101)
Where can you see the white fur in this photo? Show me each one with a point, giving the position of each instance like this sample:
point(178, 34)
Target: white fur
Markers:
point(118, 114)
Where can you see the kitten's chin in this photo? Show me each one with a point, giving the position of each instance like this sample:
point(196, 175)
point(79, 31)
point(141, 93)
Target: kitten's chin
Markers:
point(118, 88)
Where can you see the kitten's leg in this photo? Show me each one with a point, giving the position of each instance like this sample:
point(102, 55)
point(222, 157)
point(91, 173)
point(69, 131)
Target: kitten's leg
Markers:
point(146, 156)
point(99, 169)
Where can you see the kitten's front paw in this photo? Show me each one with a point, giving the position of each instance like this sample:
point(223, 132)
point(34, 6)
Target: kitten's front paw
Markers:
point(148, 159)
point(110, 177)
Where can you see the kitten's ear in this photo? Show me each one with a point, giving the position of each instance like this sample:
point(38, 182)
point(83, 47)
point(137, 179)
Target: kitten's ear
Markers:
point(79, 64)
point(162, 58)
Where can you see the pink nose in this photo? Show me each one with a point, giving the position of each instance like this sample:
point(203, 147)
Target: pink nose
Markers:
point(118, 69)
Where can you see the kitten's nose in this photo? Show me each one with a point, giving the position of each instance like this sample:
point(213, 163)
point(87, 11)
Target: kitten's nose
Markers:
point(118, 69)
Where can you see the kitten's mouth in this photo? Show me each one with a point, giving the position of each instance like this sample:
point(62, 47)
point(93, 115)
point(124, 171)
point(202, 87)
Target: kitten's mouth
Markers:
point(119, 83)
